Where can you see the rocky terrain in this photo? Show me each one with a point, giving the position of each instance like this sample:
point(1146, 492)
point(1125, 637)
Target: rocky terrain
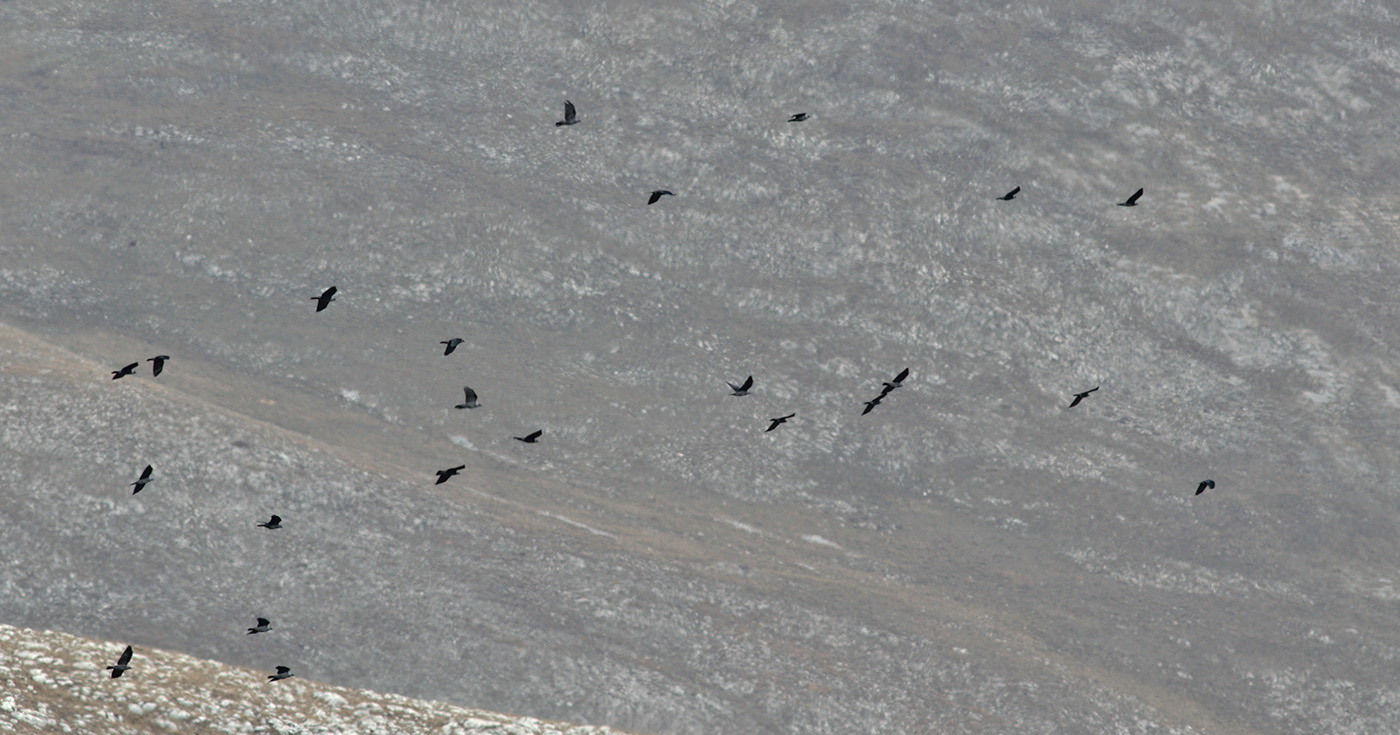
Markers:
point(972, 556)
point(52, 682)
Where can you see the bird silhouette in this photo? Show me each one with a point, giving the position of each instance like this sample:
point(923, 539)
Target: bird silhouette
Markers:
point(896, 383)
point(121, 666)
point(324, 299)
point(128, 370)
point(447, 474)
point(451, 345)
point(570, 116)
point(282, 673)
point(656, 196)
point(871, 404)
point(262, 627)
point(158, 364)
point(530, 438)
point(742, 389)
point(1008, 196)
point(143, 480)
point(273, 524)
point(470, 401)
point(1132, 200)
point(1205, 484)
point(799, 117)
point(1081, 396)
point(778, 422)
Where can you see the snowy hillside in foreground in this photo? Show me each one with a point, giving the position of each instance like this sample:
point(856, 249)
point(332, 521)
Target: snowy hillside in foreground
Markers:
point(51, 682)
point(970, 557)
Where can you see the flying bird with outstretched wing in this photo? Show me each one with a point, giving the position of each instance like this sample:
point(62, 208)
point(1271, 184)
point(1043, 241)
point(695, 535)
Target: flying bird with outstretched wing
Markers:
point(1081, 396)
point(778, 422)
point(324, 299)
point(570, 115)
point(469, 400)
point(283, 672)
point(122, 665)
point(449, 473)
point(142, 481)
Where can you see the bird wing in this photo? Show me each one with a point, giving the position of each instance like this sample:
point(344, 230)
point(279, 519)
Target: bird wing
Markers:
point(125, 657)
point(275, 520)
point(748, 383)
point(772, 426)
point(1013, 192)
point(534, 435)
point(470, 394)
point(1076, 401)
point(146, 473)
point(902, 375)
point(459, 468)
point(569, 113)
point(284, 670)
point(329, 292)
point(1133, 199)
point(655, 196)
point(263, 622)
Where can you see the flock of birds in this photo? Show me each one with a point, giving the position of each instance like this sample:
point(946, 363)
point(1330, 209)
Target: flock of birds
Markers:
point(470, 398)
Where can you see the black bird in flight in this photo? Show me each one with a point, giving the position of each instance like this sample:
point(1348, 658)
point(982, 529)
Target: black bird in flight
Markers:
point(778, 422)
point(273, 524)
point(871, 404)
point(1132, 200)
point(451, 345)
point(1010, 194)
point(282, 673)
point(741, 390)
point(897, 382)
point(262, 627)
point(1081, 396)
point(159, 363)
point(530, 438)
point(142, 481)
point(324, 299)
point(799, 117)
point(470, 401)
point(570, 116)
point(1205, 484)
point(128, 370)
point(121, 666)
point(445, 475)
point(656, 196)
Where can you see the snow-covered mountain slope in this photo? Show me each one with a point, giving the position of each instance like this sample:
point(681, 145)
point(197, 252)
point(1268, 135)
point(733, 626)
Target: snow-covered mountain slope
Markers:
point(183, 178)
point(53, 682)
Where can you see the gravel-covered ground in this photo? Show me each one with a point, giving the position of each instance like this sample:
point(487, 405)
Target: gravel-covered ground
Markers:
point(183, 178)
